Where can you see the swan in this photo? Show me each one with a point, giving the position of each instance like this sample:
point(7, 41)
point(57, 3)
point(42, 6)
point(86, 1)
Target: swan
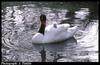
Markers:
point(52, 33)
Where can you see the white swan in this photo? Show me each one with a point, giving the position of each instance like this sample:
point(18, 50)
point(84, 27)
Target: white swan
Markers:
point(53, 33)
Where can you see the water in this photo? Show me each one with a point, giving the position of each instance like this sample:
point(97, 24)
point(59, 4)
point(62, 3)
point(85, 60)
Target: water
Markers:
point(20, 23)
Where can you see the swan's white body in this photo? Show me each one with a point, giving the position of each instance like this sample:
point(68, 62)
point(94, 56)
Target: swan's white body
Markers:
point(53, 34)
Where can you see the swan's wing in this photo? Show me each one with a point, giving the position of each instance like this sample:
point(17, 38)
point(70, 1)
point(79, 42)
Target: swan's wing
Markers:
point(50, 28)
point(56, 29)
point(63, 27)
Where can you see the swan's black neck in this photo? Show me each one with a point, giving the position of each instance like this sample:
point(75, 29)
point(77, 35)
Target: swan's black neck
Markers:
point(42, 29)
point(43, 24)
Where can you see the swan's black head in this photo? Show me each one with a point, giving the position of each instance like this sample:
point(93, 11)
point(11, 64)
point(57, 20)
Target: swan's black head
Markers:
point(43, 18)
point(43, 23)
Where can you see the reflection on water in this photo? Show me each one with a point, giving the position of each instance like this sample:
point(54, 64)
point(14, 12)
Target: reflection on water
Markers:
point(20, 23)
